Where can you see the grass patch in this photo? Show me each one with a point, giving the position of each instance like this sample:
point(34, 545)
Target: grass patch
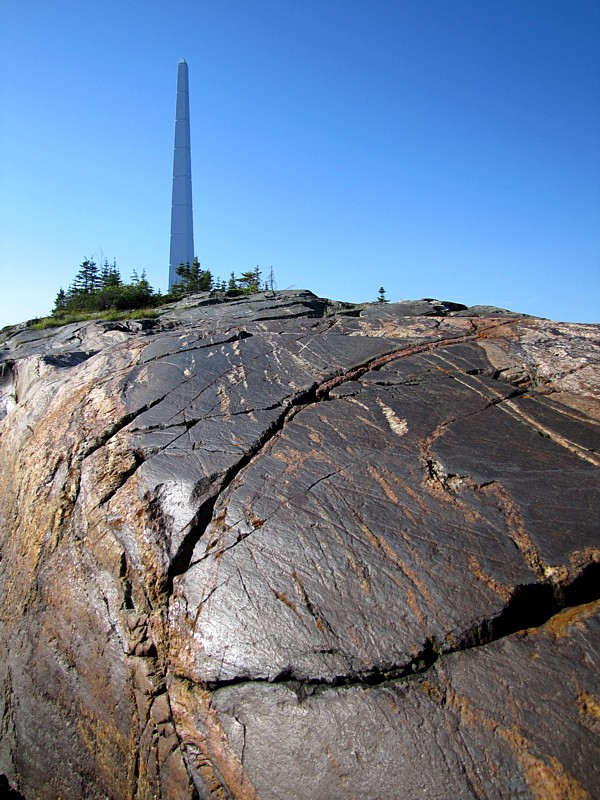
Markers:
point(85, 316)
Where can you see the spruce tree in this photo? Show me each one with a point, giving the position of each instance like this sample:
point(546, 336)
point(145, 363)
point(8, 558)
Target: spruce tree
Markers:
point(193, 278)
point(60, 304)
point(105, 273)
point(183, 271)
point(112, 277)
point(205, 278)
point(87, 279)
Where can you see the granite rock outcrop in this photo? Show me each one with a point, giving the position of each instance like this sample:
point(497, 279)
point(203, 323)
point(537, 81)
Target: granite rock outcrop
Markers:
point(281, 547)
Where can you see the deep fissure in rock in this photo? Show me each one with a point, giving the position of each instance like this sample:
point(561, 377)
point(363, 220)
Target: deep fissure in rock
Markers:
point(531, 606)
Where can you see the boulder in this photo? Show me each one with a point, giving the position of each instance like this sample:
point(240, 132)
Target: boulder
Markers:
point(274, 546)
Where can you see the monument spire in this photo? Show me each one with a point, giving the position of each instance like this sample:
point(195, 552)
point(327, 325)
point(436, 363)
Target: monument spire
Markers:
point(182, 225)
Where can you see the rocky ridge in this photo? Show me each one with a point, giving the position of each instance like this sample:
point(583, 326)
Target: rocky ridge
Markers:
point(283, 547)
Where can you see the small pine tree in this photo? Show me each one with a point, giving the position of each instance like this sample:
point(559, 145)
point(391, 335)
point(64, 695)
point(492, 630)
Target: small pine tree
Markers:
point(105, 273)
point(201, 280)
point(87, 279)
point(113, 276)
point(143, 283)
point(382, 298)
point(250, 281)
point(205, 283)
point(60, 304)
point(193, 278)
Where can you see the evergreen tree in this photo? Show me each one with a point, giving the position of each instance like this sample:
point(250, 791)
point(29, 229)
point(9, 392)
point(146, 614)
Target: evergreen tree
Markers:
point(206, 281)
point(87, 279)
point(183, 271)
point(60, 304)
point(250, 281)
point(105, 273)
point(139, 281)
point(382, 298)
point(201, 280)
point(111, 276)
point(193, 278)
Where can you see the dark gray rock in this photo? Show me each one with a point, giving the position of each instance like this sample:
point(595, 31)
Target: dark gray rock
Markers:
point(486, 311)
point(412, 308)
point(284, 547)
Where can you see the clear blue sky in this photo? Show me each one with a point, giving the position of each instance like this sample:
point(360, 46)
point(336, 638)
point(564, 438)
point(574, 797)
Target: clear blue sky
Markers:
point(440, 148)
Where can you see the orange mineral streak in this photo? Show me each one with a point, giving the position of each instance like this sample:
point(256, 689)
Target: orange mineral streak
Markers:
point(589, 711)
point(560, 624)
point(546, 777)
point(207, 744)
point(495, 586)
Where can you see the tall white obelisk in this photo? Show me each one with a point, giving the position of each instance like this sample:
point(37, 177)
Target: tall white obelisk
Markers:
point(182, 225)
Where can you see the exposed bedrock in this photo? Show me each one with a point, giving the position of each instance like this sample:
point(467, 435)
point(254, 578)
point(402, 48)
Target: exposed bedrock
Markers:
point(281, 547)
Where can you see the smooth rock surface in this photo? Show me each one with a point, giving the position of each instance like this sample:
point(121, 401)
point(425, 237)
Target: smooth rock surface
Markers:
point(283, 547)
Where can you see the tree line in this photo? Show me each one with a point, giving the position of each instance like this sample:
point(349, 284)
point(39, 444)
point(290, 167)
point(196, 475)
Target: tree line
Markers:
point(102, 288)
